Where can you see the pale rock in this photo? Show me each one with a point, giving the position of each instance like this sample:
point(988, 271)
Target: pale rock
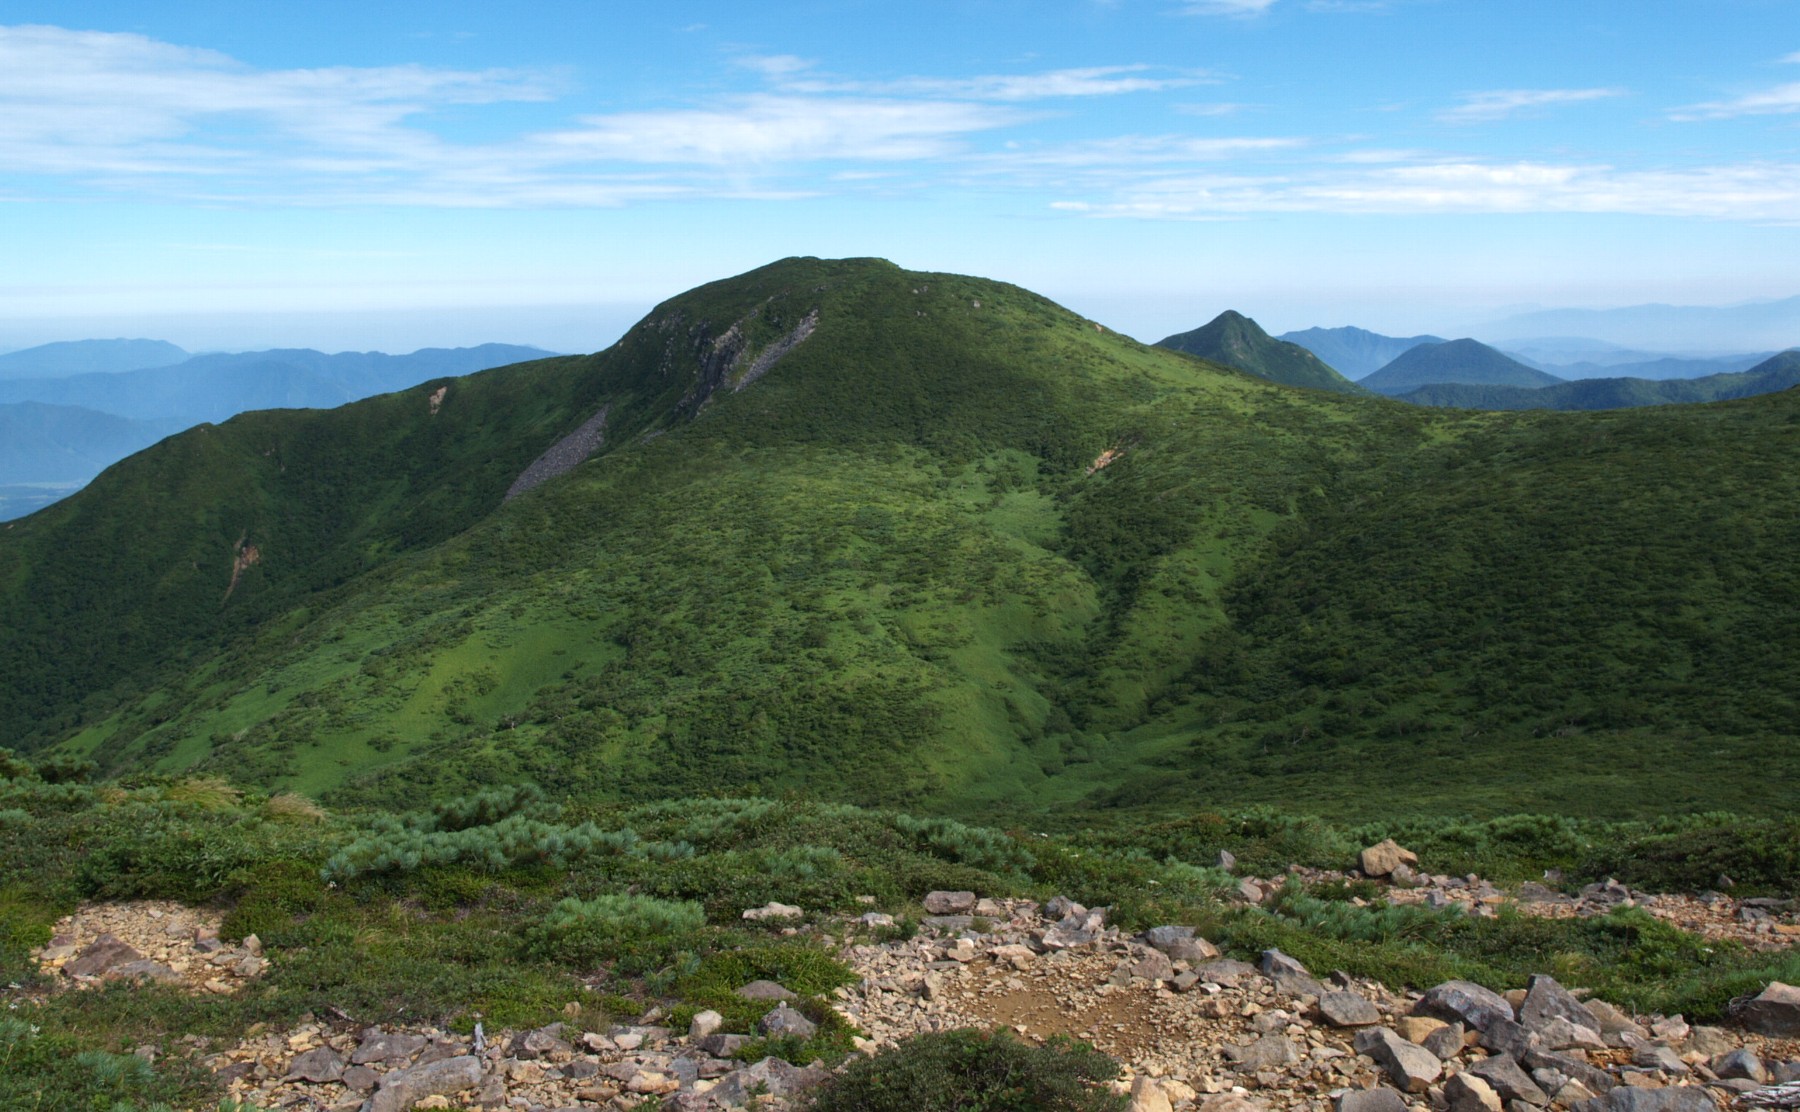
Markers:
point(774, 912)
point(1445, 1041)
point(705, 1023)
point(1415, 1028)
point(1148, 1096)
point(1546, 1000)
point(1467, 1092)
point(1381, 858)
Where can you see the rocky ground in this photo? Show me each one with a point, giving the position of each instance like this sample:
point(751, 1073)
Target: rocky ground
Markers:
point(1193, 1030)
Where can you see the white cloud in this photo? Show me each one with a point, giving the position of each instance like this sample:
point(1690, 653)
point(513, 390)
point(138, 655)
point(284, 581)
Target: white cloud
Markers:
point(1780, 100)
point(75, 101)
point(1793, 59)
point(1498, 104)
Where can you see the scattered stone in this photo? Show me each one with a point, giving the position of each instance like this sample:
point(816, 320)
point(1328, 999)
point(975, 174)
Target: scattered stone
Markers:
point(765, 990)
point(1675, 1098)
point(1268, 1052)
point(949, 903)
point(774, 912)
point(1467, 1092)
point(1347, 1009)
point(1417, 1028)
point(1274, 962)
point(771, 1076)
point(784, 1021)
point(1742, 1062)
point(1546, 1000)
point(705, 1023)
point(318, 1066)
point(103, 954)
point(1509, 1080)
point(1775, 1011)
point(1148, 1096)
point(403, 1089)
point(1445, 1041)
point(1464, 1001)
point(1412, 1067)
point(379, 1046)
point(1655, 1056)
point(1379, 1099)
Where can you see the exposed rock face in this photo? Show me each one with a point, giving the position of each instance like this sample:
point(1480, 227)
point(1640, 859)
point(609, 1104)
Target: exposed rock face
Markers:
point(950, 903)
point(1411, 1066)
point(564, 456)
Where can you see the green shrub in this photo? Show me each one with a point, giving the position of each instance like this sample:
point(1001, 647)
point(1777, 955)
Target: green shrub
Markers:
point(969, 1071)
point(642, 928)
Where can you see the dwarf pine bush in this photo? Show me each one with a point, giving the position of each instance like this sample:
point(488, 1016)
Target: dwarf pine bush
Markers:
point(586, 931)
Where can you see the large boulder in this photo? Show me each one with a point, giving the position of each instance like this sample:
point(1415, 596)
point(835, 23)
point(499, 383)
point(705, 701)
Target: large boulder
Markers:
point(402, 1089)
point(1546, 1000)
point(1464, 1002)
point(949, 903)
point(1347, 1009)
point(1411, 1066)
point(1775, 1011)
point(1384, 857)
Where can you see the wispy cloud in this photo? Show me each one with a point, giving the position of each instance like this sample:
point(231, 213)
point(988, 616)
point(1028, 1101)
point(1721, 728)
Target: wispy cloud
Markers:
point(771, 128)
point(1088, 81)
point(84, 101)
point(1780, 100)
point(1768, 192)
point(1793, 59)
point(1497, 104)
point(1239, 8)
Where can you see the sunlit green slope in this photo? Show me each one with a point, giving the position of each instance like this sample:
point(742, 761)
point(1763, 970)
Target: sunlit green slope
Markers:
point(956, 547)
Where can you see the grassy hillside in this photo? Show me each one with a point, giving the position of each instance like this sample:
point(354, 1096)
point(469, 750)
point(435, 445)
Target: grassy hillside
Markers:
point(1236, 341)
point(957, 549)
point(1779, 372)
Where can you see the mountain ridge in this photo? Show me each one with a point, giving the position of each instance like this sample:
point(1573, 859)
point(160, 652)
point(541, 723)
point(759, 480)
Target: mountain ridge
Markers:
point(956, 546)
point(1236, 341)
point(1355, 352)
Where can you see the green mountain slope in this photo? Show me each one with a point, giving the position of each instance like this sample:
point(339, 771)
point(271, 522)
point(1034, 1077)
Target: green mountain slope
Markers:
point(918, 538)
point(1464, 361)
point(1237, 341)
point(1779, 372)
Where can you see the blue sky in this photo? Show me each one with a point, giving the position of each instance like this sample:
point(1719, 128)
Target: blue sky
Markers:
point(391, 175)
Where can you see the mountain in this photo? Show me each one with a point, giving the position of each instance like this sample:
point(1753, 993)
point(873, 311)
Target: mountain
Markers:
point(872, 535)
point(74, 357)
point(1235, 340)
point(1665, 367)
point(1779, 372)
point(214, 387)
point(1356, 352)
point(1464, 361)
point(1668, 328)
point(51, 444)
